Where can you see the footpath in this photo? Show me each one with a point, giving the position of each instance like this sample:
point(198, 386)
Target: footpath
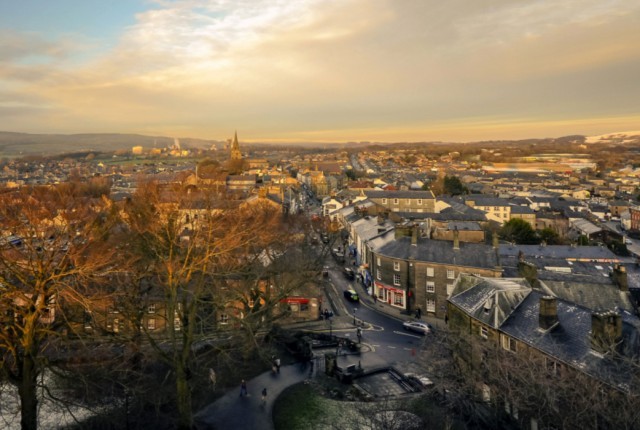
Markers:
point(234, 412)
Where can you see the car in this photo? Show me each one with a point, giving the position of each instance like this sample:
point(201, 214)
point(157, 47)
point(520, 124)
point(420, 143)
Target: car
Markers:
point(420, 381)
point(417, 326)
point(349, 273)
point(351, 295)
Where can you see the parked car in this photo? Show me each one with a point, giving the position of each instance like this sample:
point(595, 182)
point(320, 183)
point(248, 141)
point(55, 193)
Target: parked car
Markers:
point(417, 326)
point(351, 295)
point(349, 273)
point(420, 381)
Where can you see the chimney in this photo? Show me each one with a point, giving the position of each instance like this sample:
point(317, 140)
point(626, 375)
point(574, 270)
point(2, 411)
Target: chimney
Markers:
point(456, 238)
point(548, 316)
point(620, 277)
point(606, 331)
point(414, 235)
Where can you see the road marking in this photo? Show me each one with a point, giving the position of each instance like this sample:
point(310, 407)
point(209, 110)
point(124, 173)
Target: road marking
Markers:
point(407, 334)
point(392, 347)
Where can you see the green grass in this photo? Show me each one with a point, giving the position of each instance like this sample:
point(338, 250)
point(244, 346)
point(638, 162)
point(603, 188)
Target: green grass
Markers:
point(296, 408)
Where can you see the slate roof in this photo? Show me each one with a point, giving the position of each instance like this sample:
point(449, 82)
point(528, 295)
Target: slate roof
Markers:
point(515, 209)
point(403, 194)
point(463, 225)
point(471, 255)
point(559, 251)
point(569, 341)
point(490, 300)
point(487, 201)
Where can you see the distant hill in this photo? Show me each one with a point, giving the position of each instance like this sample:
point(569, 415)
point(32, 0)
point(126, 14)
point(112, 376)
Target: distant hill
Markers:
point(20, 144)
point(625, 137)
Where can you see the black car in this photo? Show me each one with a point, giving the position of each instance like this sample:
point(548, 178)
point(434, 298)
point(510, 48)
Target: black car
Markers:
point(351, 295)
point(349, 273)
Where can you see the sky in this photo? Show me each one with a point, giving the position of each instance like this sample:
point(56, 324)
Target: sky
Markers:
point(321, 70)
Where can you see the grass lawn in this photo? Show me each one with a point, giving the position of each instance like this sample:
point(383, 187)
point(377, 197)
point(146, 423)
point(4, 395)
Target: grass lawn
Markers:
point(297, 408)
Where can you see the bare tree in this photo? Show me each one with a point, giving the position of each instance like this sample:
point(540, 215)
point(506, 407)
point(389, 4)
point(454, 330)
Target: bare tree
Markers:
point(52, 244)
point(482, 383)
point(210, 267)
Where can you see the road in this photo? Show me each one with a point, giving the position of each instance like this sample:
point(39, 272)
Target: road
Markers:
point(382, 332)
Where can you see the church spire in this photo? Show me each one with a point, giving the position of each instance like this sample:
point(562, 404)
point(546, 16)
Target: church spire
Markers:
point(235, 148)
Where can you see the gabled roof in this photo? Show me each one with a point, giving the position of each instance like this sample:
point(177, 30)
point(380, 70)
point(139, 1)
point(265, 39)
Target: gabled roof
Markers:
point(489, 300)
point(570, 340)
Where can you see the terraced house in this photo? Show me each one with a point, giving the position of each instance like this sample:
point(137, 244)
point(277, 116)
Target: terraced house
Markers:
point(411, 271)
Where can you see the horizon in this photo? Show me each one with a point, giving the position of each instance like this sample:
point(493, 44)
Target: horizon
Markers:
point(322, 72)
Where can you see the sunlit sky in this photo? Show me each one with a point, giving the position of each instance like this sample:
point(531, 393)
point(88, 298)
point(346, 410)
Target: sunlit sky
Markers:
point(321, 70)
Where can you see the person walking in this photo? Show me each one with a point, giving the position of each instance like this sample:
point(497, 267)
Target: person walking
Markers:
point(359, 334)
point(277, 363)
point(264, 396)
point(243, 388)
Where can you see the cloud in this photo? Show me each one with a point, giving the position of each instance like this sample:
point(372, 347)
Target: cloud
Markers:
point(313, 68)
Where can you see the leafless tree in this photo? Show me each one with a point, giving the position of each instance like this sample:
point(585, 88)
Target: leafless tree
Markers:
point(53, 244)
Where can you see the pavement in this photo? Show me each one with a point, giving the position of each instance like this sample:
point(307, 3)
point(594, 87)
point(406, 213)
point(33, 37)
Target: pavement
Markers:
point(234, 412)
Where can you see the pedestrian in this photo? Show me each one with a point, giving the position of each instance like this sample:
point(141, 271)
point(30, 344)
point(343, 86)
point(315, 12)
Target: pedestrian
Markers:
point(212, 378)
point(277, 362)
point(264, 396)
point(359, 334)
point(243, 388)
point(375, 298)
point(418, 313)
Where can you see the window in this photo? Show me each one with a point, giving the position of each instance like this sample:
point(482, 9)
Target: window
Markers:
point(396, 201)
point(397, 299)
point(449, 289)
point(151, 324)
point(151, 309)
point(177, 325)
point(224, 319)
point(431, 287)
point(431, 305)
point(378, 275)
point(419, 202)
point(484, 332)
point(408, 201)
point(396, 266)
point(396, 279)
point(430, 272)
point(451, 274)
point(508, 343)
point(384, 201)
point(116, 325)
point(378, 261)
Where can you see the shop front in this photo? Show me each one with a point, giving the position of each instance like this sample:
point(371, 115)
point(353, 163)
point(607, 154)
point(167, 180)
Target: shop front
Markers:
point(390, 295)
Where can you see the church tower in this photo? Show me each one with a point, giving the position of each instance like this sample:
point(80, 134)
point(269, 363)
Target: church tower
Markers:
point(235, 148)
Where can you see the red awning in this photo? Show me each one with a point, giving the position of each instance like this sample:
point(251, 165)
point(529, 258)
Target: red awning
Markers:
point(299, 300)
